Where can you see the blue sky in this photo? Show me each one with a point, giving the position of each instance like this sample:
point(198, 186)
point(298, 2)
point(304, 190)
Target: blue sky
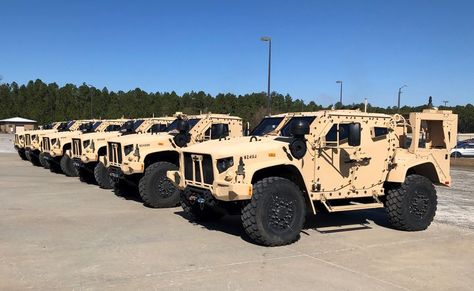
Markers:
point(373, 46)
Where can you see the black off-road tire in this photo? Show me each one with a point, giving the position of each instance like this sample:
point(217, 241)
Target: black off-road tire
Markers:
point(43, 161)
point(34, 159)
point(54, 167)
point(194, 212)
point(125, 189)
point(102, 177)
point(86, 175)
point(156, 189)
point(275, 215)
point(22, 155)
point(68, 167)
point(412, 205)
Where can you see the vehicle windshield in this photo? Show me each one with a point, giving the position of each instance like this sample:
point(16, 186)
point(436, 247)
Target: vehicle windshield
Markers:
point(192, 122)
point(69, 124)
point(267, 125)
point(286, 129)
point(137, 124)
point(95, 125)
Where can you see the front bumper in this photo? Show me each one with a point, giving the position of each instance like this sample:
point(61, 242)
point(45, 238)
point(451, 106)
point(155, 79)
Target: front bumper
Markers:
point(55, 153)
point(130, 168)
point(221, 190)
point(88, 158)
point(115, 173)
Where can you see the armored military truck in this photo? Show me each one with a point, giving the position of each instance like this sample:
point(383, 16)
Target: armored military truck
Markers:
point(19, 145)
point(33, 140)
point(19, 139)
point(88, 151)
point(143, 160)
point(335, 160)
point(56, 146)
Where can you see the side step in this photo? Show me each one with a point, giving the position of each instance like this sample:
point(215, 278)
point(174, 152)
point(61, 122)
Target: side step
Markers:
point(355, 206)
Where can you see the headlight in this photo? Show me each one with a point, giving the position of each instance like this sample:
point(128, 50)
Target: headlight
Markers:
point(86, 143)
point(128, 149)
point(224, 164)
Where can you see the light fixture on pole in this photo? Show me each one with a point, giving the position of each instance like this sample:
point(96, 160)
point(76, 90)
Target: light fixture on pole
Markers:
point(269, 39)
point(340, 91)
point(400, 93)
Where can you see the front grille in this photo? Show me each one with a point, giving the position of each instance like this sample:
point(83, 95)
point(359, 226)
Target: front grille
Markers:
point(198, 168)
point(46, 145)
point(76, 147)
point(27, 140)
point(115, 152)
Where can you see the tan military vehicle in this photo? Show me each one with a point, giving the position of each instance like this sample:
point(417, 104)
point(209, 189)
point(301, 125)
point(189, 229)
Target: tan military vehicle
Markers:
point(88, 151)
point(335, 160)
point(56, 146)
point(19, 140)
point(33, 140)
point(143, 160)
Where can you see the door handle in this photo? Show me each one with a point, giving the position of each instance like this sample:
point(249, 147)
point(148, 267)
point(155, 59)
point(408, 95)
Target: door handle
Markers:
point(350, 161)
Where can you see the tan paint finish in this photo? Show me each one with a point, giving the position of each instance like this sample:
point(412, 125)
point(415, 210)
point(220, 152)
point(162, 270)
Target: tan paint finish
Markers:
point(148, 143)
point(100, 139)
point(334, 170)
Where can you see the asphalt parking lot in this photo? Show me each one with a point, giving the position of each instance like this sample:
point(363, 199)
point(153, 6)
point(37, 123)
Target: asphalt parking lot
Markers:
point(58, 233)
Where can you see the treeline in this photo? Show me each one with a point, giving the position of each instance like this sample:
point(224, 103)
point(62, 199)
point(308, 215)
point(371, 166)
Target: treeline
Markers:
point(47, 102)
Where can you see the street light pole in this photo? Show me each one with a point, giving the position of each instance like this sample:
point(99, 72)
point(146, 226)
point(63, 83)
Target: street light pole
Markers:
point(340, 92)
point(269, 39)
point(91, 98)
point(400, 93)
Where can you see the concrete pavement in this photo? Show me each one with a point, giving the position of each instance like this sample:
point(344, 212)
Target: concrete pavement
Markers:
point(59, 233)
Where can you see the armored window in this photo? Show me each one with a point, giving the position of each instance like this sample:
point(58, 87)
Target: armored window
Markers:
point(286, 129)
point(267, 125)
point(379, 133)
point(216, 131)
point(337, 135)
point(219, 130)
point(192, 122)
point(157, 128)
point(113, 127)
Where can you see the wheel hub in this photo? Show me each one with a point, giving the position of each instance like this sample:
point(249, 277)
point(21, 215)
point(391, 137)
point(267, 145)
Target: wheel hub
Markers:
point(165, 187)
point(281, 213)
point(419, 205)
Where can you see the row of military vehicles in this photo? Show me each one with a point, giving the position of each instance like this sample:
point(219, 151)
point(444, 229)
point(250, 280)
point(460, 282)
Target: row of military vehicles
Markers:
point(288, 166)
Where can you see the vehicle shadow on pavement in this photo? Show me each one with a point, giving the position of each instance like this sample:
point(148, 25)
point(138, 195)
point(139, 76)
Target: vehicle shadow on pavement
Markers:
point(230, 224)
point(326, 223)
point(323, 223)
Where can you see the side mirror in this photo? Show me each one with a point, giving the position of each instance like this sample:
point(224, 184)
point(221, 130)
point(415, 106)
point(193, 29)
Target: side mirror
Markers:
point(182, 125)
point(299, 128)
point(354, 134)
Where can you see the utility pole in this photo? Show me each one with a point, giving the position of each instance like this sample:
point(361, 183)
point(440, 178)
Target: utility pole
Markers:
point(400, 93)
point(445, 103)
point(340, 92)
point(269, 39)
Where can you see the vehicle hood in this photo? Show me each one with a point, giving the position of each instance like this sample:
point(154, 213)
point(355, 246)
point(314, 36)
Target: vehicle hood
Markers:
point(142, 139)
point(64, 134)
point(100, 135)
point(39, 131)
point(240, 146)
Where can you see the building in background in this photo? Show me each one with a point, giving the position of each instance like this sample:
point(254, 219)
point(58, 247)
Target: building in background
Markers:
point(16, 124)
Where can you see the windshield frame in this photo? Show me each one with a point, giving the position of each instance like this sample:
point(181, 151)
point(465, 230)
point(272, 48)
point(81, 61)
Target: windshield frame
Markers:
point(286, 129)
point(261, 124)
point(192, 122)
